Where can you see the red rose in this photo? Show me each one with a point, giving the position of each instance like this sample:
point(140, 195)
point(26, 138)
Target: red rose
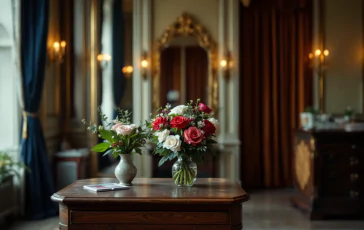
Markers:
point(179, 122)
point(209, 128)
point(159, 122)
point(204, 108)
point(193, 136)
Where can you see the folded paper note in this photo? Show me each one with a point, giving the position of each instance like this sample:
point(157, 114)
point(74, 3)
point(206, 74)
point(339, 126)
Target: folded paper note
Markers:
point(104, 187)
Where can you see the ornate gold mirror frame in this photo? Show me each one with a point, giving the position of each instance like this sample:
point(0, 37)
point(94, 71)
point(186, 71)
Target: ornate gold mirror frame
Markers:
point(185, 25)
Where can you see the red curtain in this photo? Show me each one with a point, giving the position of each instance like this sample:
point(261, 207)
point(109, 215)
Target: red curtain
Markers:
point(196, 70)
point(276, 85)
point(170, 72)
point(196, 73)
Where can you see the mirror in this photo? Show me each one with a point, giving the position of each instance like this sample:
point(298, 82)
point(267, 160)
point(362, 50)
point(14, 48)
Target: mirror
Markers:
point(185, 65)
point(184, 69)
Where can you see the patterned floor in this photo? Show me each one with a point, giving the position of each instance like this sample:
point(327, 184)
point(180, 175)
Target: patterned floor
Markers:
point(265, 210)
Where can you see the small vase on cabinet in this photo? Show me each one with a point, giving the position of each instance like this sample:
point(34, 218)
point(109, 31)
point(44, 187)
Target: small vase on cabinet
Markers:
point(125, 171)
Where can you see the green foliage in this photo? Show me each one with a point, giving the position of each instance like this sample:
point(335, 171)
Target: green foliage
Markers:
point(349, 111)
point(8, 167)
point(116, 143)
point(102, 147)
point(310, 109)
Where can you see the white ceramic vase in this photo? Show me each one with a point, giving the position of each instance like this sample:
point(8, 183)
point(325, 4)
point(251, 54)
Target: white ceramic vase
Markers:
point(125, 171)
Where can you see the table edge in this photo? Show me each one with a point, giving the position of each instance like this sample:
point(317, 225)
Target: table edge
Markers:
point(78, 200)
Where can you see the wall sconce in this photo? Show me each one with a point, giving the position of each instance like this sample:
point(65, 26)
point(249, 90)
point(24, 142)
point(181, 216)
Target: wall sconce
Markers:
point(320, 57)
point(103, 59)
point(58, 51)
point(144, 66)
point(226, 64)
point(127, 71)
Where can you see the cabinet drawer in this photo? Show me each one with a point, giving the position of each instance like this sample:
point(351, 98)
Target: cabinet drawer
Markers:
point(172, 218)
point(341, 148)
point(347, 193)
point(341, 160)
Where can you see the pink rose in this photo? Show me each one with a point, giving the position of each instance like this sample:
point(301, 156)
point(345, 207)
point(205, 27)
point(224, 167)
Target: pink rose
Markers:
point(193, 136)
point(121, 129)
point(114, 127)
point(204, 108)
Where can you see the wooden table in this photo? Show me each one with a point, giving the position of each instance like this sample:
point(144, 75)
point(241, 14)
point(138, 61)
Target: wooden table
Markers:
point(211, 204)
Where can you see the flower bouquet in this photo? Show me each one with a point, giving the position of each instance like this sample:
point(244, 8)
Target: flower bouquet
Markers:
point(120, 138)
point(187, 132)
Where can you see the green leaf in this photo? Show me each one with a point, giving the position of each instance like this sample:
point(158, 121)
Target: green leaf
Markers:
point(106, 134)
point(107, 152)
point(172, 155)
point(162, 160)
point(101, 147)
point(115, 154)
point(139, 151)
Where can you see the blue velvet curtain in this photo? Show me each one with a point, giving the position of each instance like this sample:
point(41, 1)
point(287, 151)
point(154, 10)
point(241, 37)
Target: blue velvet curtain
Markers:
point(119, 81)
point(39, 183)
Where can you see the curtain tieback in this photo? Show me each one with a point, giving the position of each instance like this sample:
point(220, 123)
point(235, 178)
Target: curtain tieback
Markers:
point(25, 122)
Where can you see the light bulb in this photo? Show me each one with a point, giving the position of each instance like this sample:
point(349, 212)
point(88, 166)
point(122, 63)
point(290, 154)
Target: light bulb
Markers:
point(107, 57)
point(56, 46)
point(326, 52)
point(317, 52)
point(223, 63)
point(127, 69)
point(144, 63)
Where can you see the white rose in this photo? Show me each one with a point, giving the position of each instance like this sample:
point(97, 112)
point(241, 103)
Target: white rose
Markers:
point(125, 129)
point(215, 123)
point(173, 143)
point(179, 110)
point(162, 135)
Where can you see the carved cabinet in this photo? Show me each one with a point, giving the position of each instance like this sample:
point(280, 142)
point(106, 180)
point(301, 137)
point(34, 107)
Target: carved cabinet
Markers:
point(328, 168)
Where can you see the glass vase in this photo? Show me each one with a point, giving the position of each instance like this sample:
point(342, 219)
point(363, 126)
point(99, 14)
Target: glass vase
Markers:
point(184, 172)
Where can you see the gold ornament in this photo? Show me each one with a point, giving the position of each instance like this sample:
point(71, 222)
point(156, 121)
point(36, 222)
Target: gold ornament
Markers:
point(302, 163)
point(246, 3)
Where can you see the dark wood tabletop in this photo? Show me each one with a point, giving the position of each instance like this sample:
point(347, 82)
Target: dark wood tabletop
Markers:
point(205, 190)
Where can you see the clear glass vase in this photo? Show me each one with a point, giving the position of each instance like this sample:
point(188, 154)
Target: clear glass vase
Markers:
point(184, 172)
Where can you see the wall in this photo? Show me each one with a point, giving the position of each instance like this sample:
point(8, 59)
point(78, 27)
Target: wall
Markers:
point(9, 105)
point(165, 13)
point(343, 36)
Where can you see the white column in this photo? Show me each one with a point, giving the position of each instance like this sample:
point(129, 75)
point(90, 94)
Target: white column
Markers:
point(10, 109)
point(107, 102)
point(221, 114)
point(142, 103)
point(228, 138)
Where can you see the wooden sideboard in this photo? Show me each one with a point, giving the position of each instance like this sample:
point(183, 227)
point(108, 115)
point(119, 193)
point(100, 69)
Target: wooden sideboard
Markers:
point(328, 168)
point(211, 204)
